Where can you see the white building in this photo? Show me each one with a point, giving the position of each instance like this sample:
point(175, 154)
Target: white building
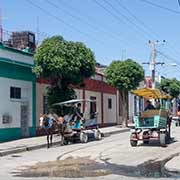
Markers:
point(106, 96)
point(17, 94)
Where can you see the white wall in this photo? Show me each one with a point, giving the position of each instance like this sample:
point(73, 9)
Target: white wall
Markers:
point(13, 106)
point(79, 93)
point(16, 56)
point(88, 94)
point(97, 77)
point(131, 105)
point(41, 90)
point(110, 115)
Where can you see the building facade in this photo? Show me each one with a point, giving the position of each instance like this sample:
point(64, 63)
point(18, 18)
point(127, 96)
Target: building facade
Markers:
point(17, 94)
point(96, 88)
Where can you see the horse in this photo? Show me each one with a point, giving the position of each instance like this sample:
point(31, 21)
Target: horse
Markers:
point(51, 124)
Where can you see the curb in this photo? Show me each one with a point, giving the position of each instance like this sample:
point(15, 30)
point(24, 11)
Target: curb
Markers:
point(40, 146)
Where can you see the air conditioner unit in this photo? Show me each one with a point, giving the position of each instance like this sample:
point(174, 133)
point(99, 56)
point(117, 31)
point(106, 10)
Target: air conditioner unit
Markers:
point(6, 119)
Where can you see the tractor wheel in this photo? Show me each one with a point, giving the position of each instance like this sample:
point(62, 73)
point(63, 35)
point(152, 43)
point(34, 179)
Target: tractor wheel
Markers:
point(163, 139)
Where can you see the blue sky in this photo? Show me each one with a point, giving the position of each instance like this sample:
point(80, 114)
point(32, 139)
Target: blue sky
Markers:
point(104, 26)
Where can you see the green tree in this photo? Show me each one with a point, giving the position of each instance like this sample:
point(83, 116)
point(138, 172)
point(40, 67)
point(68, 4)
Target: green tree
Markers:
point(63, 63)
point(171, 87)
point(125, 76)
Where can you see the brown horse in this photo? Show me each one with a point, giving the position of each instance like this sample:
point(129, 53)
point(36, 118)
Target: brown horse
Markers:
point(51, 125)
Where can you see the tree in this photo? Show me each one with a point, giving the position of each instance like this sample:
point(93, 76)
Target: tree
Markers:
point(125, 76)
point(171, 87)
point(63, 63)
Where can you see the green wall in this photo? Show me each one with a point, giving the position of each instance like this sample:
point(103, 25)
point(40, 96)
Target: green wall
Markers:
point(20, 71)
point(7, 134)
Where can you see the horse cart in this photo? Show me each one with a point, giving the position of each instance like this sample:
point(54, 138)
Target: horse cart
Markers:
point(152, 124)
point(81, 129)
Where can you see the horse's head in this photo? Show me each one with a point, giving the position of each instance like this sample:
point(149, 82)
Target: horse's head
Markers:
point(43, 120)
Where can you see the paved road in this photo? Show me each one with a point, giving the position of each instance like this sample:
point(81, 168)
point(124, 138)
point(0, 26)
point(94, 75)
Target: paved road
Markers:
point(124, 161)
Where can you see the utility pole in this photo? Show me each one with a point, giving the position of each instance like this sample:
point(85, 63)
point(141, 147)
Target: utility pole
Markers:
point(153, 62)
point(1, 28)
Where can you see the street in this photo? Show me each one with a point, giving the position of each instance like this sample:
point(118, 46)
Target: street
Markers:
point(124, 161)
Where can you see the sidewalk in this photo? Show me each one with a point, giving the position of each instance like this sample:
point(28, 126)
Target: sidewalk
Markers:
point(33, 143)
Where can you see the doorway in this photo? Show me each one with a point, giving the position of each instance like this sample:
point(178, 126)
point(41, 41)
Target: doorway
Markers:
point(24, 121)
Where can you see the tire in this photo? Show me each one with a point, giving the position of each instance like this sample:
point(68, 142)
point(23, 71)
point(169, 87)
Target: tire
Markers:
point(177, 124)
point(83, 137)
point(162, 139)
point(133, 142)
point(97, 135)
point(145, 140)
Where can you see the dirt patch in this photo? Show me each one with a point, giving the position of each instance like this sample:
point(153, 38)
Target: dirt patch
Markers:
point(70, 167)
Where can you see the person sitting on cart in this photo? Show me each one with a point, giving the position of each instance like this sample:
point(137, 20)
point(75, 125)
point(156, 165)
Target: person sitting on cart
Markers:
point(78, 116)
point(149, 106)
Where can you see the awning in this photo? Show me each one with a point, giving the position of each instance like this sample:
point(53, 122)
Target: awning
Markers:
point(150, 93)
point(73, 101)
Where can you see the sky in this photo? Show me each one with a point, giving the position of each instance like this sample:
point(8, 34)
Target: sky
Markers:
point(112, 29)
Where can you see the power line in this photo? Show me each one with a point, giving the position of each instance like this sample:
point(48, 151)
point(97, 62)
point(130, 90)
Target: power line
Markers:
point(127, 19)
point(100, 26)
point(168, 58)
point(92, 26)
point(114, 15)
point(61, 20)
point(141, 22)
point(145, 25)
point(161, 7)
point(137, 19)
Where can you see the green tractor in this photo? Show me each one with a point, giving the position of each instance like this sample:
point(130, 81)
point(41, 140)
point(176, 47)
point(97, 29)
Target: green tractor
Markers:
point(153, 124)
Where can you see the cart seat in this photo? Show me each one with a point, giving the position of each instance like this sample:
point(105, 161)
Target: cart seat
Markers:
point(152, 113)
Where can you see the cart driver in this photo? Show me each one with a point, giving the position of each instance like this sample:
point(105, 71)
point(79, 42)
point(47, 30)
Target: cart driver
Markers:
point(78, 115)
point(78, 112)
point(149, 106)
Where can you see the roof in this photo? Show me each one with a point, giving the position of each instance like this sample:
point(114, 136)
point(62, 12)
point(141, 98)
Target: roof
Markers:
point(2, 46)
point(73, 101)
point(150, 93)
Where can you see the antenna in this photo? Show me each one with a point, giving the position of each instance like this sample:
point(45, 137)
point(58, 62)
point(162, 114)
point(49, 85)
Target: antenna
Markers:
point(1, 28)
point(37, 30)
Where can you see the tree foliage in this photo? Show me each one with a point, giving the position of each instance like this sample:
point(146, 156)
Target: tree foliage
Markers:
point(171, 86)
point(124, 75)
point(63, 63)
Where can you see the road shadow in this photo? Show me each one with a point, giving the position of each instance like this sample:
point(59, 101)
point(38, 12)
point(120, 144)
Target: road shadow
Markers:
point(92, 168)
point(155, 143)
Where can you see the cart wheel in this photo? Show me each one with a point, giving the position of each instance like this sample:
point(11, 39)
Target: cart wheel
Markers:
point(177, 123)
point(133, 142)
point(97, 135)
point(83, 137)
point(163, 139)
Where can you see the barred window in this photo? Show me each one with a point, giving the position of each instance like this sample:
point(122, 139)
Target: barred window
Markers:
point(15, 92)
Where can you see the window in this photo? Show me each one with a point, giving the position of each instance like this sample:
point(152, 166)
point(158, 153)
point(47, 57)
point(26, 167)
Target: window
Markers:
point(45, 104)
point(15, 92)
point(92, 106)
point(109, 103)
